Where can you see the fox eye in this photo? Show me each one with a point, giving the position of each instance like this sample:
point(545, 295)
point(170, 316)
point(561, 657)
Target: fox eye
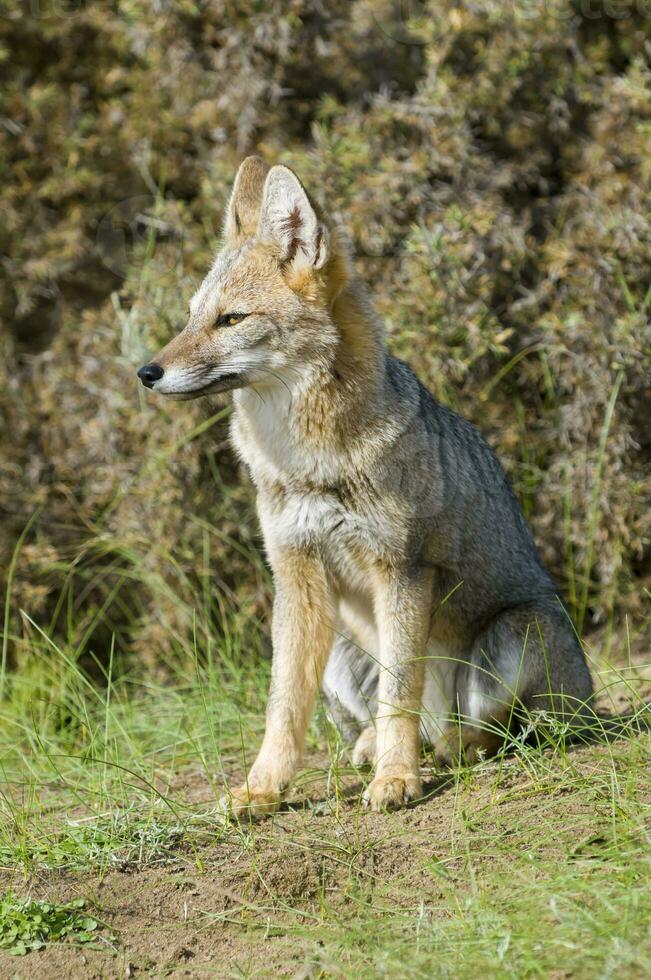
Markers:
point(229, 319)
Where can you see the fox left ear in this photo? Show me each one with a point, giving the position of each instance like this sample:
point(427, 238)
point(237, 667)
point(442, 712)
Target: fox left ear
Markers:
point(243, 208)
point(288, 219)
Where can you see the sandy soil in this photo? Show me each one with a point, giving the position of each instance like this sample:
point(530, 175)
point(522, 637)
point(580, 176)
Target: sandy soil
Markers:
point(229, 906)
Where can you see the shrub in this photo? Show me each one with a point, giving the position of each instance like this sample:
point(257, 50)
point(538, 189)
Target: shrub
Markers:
point(491, 163)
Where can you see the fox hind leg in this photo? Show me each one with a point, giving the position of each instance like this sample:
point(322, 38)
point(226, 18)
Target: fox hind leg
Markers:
point(526, 661)
point(365, 749)
point(350, 687)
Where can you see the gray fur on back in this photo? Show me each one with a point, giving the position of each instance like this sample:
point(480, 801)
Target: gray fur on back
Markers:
point(506, 636)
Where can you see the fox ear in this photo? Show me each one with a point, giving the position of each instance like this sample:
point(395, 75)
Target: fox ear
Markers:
point(243, 209)
point(288, 219)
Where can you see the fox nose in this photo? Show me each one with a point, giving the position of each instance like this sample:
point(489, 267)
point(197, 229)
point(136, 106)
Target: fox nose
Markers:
point(149, 374)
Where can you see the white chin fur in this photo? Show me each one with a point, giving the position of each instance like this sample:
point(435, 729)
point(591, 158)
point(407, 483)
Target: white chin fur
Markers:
point(176, 382)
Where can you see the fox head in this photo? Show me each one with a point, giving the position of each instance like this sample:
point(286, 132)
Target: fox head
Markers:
point(262, 315)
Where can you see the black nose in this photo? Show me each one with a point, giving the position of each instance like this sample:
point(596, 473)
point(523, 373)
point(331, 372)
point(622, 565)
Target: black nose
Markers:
point(150, 373)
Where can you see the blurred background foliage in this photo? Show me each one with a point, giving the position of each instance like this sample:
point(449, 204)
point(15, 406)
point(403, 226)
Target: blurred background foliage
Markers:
point(492, 162)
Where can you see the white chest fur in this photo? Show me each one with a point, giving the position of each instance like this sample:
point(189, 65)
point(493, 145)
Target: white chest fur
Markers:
point(298, 502)
point(266, 436)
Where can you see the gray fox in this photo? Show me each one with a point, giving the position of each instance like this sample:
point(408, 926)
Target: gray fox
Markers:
point(406, 578)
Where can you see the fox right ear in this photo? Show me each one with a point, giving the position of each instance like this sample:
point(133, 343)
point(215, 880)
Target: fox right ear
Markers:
point(243, 209)
point(288, 219)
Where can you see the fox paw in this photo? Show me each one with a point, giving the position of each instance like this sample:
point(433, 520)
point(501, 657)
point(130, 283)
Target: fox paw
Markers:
point(248, 802)
point(392, 792)
point(450, 752)
point(364, 750)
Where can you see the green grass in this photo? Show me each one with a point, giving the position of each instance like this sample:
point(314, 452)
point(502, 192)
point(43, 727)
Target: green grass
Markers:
point(109, 756)
point(535, 863)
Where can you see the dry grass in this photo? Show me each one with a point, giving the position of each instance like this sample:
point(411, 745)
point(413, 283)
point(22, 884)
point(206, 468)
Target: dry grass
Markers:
point(491, 167)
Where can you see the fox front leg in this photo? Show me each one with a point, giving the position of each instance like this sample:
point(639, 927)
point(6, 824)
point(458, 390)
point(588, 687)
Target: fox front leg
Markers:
point(302, 634)
point(403, 610)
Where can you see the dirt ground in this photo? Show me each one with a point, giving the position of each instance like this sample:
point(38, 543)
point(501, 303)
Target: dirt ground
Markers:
point(231, 907)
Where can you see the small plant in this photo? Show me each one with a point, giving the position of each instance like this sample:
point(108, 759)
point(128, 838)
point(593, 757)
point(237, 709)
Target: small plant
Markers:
point(27, 924)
